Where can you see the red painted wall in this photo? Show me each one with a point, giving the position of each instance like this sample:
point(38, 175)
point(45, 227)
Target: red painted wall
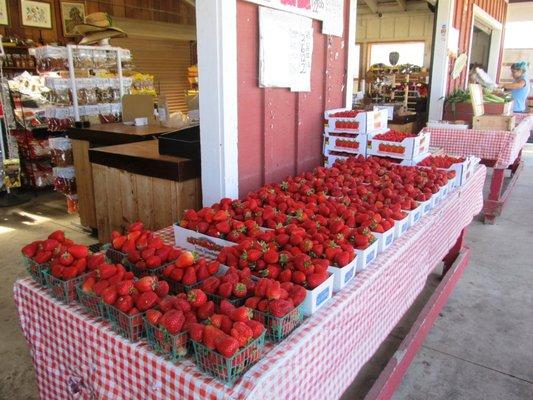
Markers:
point(280, 132)
point(463, 20)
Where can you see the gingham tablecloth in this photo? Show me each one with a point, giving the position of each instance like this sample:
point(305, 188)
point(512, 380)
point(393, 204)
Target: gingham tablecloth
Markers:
point(500, 146)
point(74, 353)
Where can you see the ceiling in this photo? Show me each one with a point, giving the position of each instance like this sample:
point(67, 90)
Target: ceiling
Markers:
point(378, 6)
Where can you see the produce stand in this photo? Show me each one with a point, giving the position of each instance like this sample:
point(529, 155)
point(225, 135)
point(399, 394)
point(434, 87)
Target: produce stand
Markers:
point(499, 150)
point(77, 355)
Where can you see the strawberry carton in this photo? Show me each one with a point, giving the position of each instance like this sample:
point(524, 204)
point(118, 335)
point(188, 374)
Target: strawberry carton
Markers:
point(318, 296)
point(401, 226)
point(354, 145)
point(198, 242)
point(343, 276)
point(356, 121)
point(399, 145)
point(426, 206)
point(384, 239)
point(366, 256)
point(415, 215)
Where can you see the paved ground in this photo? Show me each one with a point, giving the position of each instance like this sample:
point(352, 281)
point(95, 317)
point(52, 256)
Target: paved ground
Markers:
point(480, 348)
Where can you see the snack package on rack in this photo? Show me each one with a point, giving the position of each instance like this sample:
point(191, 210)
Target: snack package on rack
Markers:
point(61, 152)
point(42, 173)
point(59, 119)
point(72, 203)
point(65, 180)
point(12, 173)
point(51, 58)
point(60, 91)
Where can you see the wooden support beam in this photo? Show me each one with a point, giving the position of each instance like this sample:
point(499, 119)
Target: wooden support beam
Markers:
point(402, 4)
point(373, 5)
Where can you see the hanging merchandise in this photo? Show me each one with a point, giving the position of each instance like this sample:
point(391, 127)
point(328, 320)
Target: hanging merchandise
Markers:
point(11, 173)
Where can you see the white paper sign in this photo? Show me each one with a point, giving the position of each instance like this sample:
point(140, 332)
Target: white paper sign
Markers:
point(285, 50)
point(333, 23)
point(307, 8)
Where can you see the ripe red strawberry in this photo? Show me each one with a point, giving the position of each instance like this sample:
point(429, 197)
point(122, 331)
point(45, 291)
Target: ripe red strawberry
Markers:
point(125, 287)
point(206, 310)
point(210, 285)
point(251, 302)
point(226, 307)
point(186, 259)
point(66, 259)
point(124, 303)
point(202, 272)
point(80, 265)
point(280, 308)
point(227, 346)
point(88, 284)
point(42, 257)
point(212, 336)
point(106, 271)
point(297, 294)
point(94, 260)
point(273, 291)
point(225, 289)
point(196, 297)
point(58, 235)
point(78, 251)
point(342, 259)
point(146, 283)
point(271, 256)
point(153, 316)
point(99, 286)
point(256, 327)
point(239, 290)
point(166, 303)
point(30, 249)
point(153, 262)
point(69, 273)
point(242, 332)
point(196, 332)
point(189, 277)
point(162, 288)
point(49, 245)
point(241, 314)
point(118, 242)
point(146, 300)
point(109, 295)
point(315, 279)
point(172, 321)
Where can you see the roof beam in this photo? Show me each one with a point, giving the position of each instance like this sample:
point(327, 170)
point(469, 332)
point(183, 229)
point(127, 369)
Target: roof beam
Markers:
point(373, 5)
point(402, 4)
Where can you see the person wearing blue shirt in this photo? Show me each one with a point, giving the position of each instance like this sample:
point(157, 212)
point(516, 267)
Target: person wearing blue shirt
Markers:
point(519, 87)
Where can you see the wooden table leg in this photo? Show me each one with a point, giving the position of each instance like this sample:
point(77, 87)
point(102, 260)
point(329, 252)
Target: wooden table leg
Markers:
point(514, 167)
point(492, 206)
point(452, 255)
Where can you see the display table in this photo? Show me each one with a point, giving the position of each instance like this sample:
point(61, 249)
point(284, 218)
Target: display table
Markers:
point(72, 351)
point(132, 182)
point(500, 150)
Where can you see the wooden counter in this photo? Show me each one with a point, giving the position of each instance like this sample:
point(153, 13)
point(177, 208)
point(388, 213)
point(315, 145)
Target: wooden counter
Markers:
point(96, 136)
point(134, 182)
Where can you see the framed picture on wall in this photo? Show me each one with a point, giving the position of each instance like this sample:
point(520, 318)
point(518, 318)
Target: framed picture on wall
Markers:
point(36, 14)
point(72, 14)
point(4, 18)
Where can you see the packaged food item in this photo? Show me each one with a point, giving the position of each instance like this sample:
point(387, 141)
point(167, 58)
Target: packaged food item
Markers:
point(83, 58)
point(12, 173)
point(72, 203)
point(59, 119)
point(51, 58)
point(86, 90)
point(99, 59)
point(105, 113)
point(61, 151)
point(116, 110)
point(42, 174)
point(114, 83)
point(65, 180)
point(60, 91)
point(104, 93)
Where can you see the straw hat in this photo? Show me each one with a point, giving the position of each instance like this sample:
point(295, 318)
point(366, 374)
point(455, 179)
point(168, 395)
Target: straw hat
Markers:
point(98, 26)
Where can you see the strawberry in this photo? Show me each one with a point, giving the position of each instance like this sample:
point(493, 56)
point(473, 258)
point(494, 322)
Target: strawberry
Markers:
point(166, 303)
point(162, 288)
point(105, 271)
point(226, 307)
point(123, 303)
point(212, 335)
point(226, 324)
point(94, 260)
point(251, 302)
point(210, 285)
point(49, 244)
point(342, 259)
point(315, 279)
point(81, 265)
point(206, 310)
point(220, 216)
point(242, 332)
point(297, 294)
point(78, 251)
point(109, 295)
point(135, 226)
point(271, 256)
point(280, 308)
point(256, 327)
point(146, 284)
point(66, 259)
point(88, 284)
point(273, 291)
point(146, 300)
point(153, 316)
point(58, 235)
point(186, 259)
point(69, 273)
point(196, 332)
point(189, 277)
point(239, 290)
point(227, 346)
point(42, 256)
point(99, 286)
point(118, 242)
point(241, 314)
point(30, 249)
point(148, 253)
point(125, 287)
point(225, 289)
point(172, 321)
point(202, 272)
point(285, 275)
point(196, 298)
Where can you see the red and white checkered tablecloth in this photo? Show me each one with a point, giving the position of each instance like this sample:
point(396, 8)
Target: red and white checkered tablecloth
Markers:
point(74, 352)
point(500, 146)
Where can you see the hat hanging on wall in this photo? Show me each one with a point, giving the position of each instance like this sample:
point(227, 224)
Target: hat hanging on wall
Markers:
point(97, 27)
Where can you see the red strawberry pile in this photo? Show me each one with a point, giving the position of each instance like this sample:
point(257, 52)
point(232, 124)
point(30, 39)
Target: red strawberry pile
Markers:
point(275, 298)
point(351, 144)
point(345, 114)
point(393, 136)
point(442, 161)
point(189, 269)
point(234, 285)
point(346, 124)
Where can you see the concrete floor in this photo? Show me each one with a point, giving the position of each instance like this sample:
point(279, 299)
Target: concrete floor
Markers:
point(481, 347)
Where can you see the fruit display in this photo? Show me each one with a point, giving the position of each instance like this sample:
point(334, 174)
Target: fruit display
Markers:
point(188, 271)
point(353, 125)
point(350, 144)
point(393, 136)
point(233, 286)
point(345, 114)
point(440, 161)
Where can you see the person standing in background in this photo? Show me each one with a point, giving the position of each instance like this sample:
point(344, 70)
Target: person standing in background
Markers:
point(519, 88)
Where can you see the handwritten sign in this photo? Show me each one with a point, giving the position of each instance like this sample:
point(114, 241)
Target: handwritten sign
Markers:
point(307, 8)
point(333, 22)
point(285, 50)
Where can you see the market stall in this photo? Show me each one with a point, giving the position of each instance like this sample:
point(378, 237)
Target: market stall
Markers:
point(348, 329)
point(499, 150)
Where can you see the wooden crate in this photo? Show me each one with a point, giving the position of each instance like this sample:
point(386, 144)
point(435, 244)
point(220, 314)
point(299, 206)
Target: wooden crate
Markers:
point(493, 123)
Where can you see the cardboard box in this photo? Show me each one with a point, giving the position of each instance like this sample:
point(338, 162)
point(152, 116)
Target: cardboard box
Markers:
point(332, 143)
point(204, 245)
point(317, 297)
point(342, 276)
point(413, 147)
point(368, 121)
point(494, 123)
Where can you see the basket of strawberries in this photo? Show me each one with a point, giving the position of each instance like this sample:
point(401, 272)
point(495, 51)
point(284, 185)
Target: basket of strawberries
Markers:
point(188, 272)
